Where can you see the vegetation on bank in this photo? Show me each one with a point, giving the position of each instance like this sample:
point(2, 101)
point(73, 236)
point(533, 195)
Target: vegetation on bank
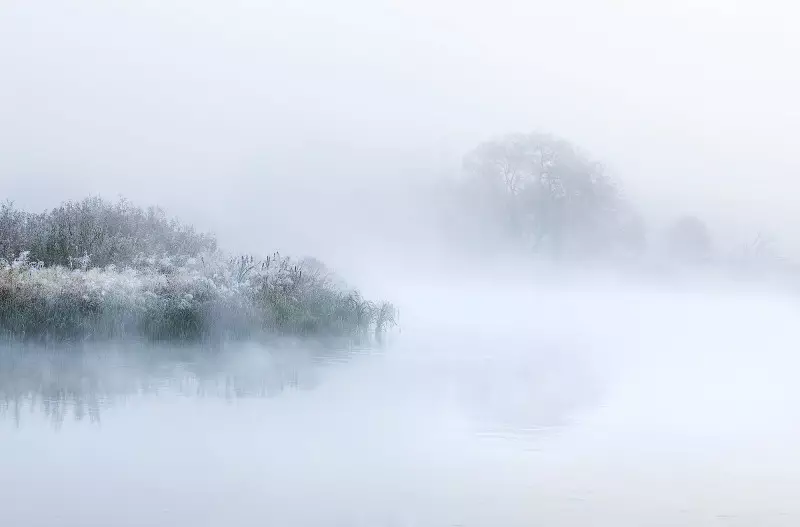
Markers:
point(99, 270)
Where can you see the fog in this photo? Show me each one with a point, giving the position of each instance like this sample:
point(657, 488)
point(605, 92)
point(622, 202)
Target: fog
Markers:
point(514, 391)
point(315, 115)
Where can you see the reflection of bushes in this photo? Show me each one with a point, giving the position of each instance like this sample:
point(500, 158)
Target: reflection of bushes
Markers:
point(83, 380)
point(193, 296)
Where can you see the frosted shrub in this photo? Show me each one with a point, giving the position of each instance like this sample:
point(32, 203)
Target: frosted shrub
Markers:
point(189, 299)
point(107, 232)
point(200, 294)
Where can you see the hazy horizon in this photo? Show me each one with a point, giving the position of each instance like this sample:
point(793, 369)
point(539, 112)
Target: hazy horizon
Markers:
point(512, 390)
point(294, 122)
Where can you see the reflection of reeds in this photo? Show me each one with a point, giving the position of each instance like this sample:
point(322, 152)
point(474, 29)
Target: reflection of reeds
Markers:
point(82, 382)
point(50, 382)
point(93, 270)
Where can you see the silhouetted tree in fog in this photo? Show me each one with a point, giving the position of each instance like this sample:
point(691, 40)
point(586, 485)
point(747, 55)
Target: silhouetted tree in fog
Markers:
point(549, 194)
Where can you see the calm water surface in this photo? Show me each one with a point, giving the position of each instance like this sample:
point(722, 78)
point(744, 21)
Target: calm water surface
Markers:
point(623, 409)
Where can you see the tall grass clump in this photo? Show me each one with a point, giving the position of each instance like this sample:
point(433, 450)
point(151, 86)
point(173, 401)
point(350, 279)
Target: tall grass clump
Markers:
point(95, 270)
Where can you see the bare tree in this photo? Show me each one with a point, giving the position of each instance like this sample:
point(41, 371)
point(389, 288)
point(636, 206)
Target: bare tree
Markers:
point(549, 192)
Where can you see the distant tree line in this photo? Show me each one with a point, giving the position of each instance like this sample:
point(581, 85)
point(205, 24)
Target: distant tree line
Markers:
point(548, 196)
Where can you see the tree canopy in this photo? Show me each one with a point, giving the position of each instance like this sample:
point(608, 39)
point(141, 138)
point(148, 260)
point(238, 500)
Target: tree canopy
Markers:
point(552, 195)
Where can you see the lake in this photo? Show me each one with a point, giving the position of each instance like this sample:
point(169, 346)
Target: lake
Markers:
point(490, 406)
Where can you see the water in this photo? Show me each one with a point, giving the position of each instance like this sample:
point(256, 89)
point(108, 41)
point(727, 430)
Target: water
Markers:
point(569, 407)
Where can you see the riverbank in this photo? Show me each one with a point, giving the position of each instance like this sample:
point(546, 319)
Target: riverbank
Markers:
point(56, 292)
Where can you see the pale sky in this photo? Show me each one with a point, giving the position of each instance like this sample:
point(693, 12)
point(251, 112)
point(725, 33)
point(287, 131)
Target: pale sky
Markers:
point(287, 123)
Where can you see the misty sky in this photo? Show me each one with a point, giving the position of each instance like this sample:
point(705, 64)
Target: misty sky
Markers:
point(288, 124)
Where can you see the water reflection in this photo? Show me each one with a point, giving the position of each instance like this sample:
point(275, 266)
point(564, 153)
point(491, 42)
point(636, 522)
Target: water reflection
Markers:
point(502, 388)
point(82, 381)
point(656, 414)
point(464, 428)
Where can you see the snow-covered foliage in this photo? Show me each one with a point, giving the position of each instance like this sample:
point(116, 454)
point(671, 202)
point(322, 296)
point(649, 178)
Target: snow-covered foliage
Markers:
point(112, 233)
point(181, 297)
point(161, 296)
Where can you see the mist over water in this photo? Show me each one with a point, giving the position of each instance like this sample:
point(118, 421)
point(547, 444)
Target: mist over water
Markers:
point(510, 405)
point(602, 335)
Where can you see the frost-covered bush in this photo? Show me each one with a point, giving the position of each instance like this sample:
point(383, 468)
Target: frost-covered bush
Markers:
point(161, 295)
point(182, 298)
point(111, 233)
